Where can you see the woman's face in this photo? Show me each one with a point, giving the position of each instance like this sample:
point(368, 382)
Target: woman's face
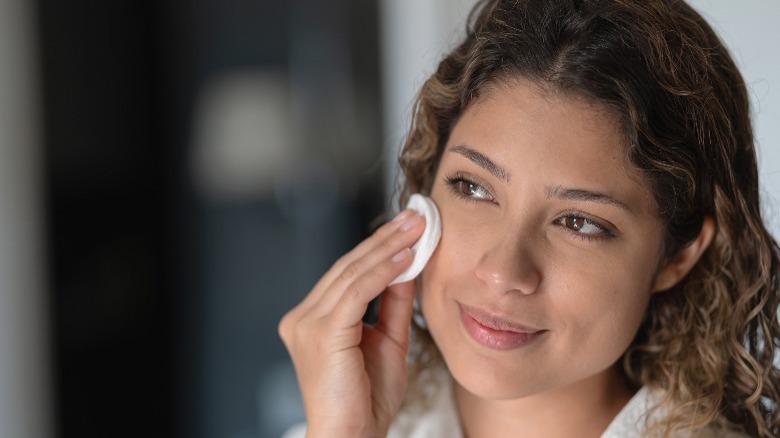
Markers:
point(550, 242)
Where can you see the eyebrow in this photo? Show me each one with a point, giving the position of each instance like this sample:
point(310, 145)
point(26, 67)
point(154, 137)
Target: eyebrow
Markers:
point(585, 195)
point(482, 161)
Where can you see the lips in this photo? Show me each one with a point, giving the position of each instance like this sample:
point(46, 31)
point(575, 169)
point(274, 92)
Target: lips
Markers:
point(496, 332)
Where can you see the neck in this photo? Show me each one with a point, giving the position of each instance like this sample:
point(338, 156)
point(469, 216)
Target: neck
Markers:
point(582, 409)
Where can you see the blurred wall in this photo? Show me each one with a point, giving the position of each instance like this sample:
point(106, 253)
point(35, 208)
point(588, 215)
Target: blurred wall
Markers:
point(25, 383)
point(109, 192)
point(278, 115)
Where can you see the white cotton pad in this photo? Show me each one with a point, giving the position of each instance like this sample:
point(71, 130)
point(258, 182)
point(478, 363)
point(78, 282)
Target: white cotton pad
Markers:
point(424, 247)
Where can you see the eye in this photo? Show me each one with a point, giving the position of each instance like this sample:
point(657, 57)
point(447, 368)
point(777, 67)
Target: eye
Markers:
point(473, 190)
point(468, 189)
point(585, 227)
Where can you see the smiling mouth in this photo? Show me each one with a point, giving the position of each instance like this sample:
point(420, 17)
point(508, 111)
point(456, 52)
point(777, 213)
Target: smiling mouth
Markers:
point(495, 332)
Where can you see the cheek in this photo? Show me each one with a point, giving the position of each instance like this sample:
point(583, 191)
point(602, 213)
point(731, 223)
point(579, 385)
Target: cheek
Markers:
point(605, 306)
point(453, 258)
point(452, 264)
point(458, 236)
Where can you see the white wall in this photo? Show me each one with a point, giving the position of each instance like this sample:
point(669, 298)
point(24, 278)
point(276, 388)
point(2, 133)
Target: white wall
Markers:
point(415, 33)
point(25, 395)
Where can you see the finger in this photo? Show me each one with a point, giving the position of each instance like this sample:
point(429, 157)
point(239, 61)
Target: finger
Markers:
point(397, 235)
point(352, 303)
point(377, 268)
point(367, 245)
point(395, 313)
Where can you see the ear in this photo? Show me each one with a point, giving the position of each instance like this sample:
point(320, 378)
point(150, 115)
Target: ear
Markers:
point(677, 266)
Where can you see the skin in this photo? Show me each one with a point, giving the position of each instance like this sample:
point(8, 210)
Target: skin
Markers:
point(513, 245)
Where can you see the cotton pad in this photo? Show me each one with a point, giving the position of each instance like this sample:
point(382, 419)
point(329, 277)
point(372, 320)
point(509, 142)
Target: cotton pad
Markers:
point(424, 247)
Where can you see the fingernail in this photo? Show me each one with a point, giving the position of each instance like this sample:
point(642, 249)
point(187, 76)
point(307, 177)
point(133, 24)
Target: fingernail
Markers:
point(401, 255)
point(401, 216)
point(411, 222)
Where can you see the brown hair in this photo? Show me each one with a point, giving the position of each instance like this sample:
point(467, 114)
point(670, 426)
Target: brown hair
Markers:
point(710, 342)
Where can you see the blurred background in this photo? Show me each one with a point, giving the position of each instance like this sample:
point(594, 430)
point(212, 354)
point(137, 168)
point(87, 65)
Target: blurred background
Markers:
point(175, 175)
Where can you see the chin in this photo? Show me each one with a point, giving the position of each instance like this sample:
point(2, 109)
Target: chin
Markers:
point(491, 379)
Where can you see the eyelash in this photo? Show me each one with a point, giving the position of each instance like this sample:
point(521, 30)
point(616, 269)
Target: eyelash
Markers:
point(454, 182)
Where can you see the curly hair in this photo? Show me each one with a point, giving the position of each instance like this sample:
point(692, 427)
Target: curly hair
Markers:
point(710, 342)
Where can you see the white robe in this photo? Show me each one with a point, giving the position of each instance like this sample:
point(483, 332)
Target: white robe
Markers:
point(441, 420)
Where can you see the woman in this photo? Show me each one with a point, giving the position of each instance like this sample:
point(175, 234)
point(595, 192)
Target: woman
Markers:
point(603, 268)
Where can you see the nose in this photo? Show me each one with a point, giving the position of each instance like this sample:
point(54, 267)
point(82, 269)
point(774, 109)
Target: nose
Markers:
point(508, 266)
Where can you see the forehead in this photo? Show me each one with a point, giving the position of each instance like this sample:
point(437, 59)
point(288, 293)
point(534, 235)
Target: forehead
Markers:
point(533, 104)
point(519, 112)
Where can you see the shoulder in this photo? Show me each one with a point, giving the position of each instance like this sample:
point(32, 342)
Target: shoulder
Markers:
point(633, 419)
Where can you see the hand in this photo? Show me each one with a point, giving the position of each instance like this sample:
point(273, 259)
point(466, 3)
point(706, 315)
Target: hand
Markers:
point(352, 375)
